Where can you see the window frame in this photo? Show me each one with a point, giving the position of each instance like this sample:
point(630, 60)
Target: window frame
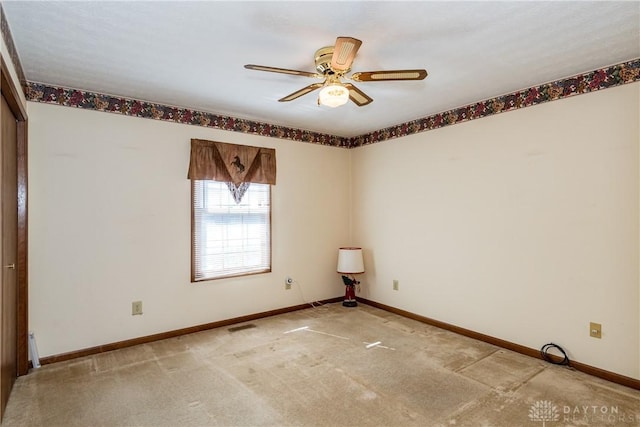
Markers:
point(194, 279)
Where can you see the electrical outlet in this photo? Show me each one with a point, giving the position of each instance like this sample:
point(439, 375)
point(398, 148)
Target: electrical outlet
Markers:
point(136, 308)
point(396, 285)
point(288, 281)
point(595, 330)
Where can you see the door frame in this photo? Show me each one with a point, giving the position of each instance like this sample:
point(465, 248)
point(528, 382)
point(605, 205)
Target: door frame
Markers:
point(11, 95)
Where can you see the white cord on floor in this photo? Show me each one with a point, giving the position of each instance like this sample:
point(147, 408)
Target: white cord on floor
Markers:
point(314, 304)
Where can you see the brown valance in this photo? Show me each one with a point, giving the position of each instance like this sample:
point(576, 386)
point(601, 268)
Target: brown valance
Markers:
point(219, 161)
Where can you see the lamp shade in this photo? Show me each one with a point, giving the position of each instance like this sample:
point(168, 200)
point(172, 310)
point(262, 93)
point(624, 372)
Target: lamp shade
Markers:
point(350, 260)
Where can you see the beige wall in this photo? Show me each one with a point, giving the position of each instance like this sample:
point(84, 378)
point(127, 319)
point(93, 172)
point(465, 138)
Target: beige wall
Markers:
point(523, 226)
point(109, 223)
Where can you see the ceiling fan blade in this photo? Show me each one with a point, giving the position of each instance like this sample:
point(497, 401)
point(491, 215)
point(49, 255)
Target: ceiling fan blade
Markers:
point(303, 91)
point(282, 71)
point(373, 76)
point(344, 52)
point(357, 96)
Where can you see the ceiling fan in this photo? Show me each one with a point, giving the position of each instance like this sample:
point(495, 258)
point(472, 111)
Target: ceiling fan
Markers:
point(332, 64)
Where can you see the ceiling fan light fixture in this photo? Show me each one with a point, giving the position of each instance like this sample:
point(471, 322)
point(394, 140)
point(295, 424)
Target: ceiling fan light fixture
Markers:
point(332, 64)
point(333, 95)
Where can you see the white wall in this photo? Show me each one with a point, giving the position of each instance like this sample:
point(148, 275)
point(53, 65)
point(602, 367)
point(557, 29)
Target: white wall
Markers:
point(109, 223)
point(523, 226)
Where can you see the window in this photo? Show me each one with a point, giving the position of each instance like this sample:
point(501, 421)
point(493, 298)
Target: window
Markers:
point(229, 239)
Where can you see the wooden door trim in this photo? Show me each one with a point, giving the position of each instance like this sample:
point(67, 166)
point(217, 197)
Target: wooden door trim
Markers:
point(11, 95)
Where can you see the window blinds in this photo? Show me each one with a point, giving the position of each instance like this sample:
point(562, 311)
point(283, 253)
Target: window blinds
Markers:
point(229, 238)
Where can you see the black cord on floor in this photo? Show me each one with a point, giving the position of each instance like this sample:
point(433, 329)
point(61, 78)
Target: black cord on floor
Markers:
point(544, 352)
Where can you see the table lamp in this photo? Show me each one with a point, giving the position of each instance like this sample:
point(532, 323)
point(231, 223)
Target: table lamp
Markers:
point(350, 263)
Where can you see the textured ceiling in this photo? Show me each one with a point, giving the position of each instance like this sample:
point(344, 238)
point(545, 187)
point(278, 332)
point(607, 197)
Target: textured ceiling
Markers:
point(191, 54)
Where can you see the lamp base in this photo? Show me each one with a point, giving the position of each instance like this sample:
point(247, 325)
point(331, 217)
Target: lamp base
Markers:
point(349, 292)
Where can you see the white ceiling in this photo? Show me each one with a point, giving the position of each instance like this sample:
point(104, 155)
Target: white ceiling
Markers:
point(191, 54)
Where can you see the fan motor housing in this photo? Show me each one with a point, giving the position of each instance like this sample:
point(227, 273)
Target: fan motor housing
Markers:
point(323, 60)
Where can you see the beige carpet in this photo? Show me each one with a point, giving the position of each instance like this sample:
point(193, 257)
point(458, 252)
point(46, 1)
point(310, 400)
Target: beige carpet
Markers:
point(331, 366)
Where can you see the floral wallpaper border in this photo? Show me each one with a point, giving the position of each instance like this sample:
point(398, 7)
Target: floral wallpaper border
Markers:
point(603, 78)
point(68, 97)
point(615, 75)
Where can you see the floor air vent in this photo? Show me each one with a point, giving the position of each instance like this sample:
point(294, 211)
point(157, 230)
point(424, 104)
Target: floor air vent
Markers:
point(242, 327)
